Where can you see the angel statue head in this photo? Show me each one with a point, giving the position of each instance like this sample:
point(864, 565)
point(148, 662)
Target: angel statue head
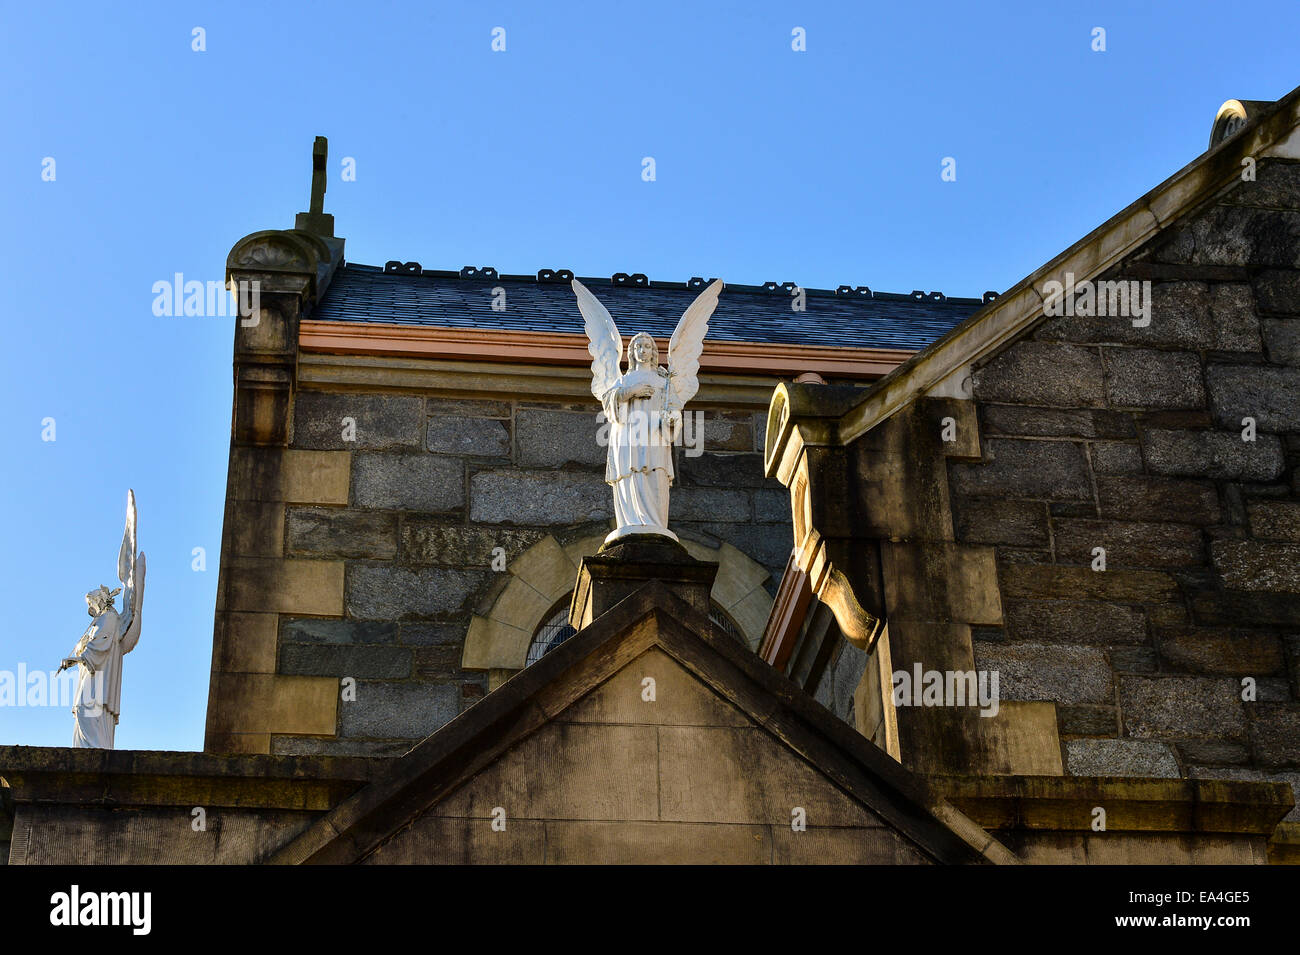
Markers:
point(642, 350)
point(100, 599)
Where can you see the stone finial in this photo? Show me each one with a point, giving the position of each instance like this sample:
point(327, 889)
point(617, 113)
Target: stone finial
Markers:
point(1234, 114)
point(317, 220)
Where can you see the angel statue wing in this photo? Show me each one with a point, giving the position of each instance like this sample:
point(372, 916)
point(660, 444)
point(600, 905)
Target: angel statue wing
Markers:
point(685, 346)
point(603, 341)
point(130, 572)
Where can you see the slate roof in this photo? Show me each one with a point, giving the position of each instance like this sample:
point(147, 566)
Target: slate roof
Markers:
point(846, 317)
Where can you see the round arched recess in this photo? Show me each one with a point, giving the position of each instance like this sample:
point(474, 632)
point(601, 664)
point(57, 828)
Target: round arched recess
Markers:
point(540, 578)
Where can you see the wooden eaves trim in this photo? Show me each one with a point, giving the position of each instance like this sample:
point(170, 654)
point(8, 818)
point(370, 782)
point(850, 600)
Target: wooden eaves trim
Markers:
point(565, 348)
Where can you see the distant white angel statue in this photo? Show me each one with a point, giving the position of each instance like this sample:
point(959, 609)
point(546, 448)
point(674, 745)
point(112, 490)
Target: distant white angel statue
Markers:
point(99, 652)
point(643, 407)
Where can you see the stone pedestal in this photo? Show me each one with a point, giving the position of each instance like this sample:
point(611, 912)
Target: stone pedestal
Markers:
point(630, 563)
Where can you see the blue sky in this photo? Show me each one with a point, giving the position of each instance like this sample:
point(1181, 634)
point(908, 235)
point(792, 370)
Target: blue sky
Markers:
point(819, 167)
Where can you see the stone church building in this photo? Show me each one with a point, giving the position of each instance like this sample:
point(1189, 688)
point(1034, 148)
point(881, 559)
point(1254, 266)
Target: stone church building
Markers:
point(997, 580)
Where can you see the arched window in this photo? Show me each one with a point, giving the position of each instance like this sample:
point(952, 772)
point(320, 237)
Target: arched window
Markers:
point(556, 629)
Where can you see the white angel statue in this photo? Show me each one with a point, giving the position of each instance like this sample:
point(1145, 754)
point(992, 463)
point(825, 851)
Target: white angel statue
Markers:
point(99, 652)
point(643, 407)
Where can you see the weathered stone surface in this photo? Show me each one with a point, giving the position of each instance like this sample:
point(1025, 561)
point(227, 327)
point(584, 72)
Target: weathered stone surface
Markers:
point(1083, 583)
point(722, 470)
point(398, 710)
point(1292, 779)
point(1276, 186)
point(457, 434)
point(1149, 378)
point(1216, 651)
point(1087, 719)
point(727, 431)
point(1237, 235)
point(1234, 608)
point(1249, 565)
point(1274, 733)
point(1212, 752)
point(360, 662)
point(466, 406)
point(553, 438)
point(1181, 707)
point(410, 482)
point(427, 541)
point(1042, 373)
point(1269, 395)
point(1128, 544)
point(772, 506)
point(1275, 520)
point(1073, 622)
point(708, 504)
point(381, 421)
point(1214, 454)
point(432, 634)
point(1132, 659)
point(1278, 291)
point(1158, 499)
point(1065, 674)
point(315, 746)
point(538, 497)
point(339, 532)
point(309, 630)
point(441, 663)
point(394, 593)
point(1015, 523)
point(1282, 340)
point(1037, 422)
point(1120, 757)
point(1034, 469)
point(769, 544)
point(1115, 457)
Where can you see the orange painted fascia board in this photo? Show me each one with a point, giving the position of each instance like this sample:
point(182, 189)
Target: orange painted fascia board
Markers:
point(564, 348)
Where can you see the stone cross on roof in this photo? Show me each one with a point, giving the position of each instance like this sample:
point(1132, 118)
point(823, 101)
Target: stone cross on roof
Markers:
point(316, 220)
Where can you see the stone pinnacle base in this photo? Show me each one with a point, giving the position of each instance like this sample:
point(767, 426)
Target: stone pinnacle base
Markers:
point(627, 564)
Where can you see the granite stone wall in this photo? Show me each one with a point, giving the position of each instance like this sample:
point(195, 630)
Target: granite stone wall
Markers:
point(1098, 433)
point(443, 494)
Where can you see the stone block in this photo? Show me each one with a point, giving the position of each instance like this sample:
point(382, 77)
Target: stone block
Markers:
point(1215, 651)
point(1212, 752)
point(1073, 622)
point(1087, 719)
point(429, 541)
point(465, 406)
point(255, 529)
point(377, 421)
point(1282, 340)
point(1278, 291)
point(1043, 373)
point(1237, 235)
point(493, 644)
point(1133, 659)
point(1025, 469)
point(359, 662)
point(1250, 565)
point(1275, 520)
point(1083, 583)
point(1128, 544)
point(1120, 757)
point(1149, 378)
point(542, 498)
point(335, 532)
point(431, 634)
point(1181, 707)
point(408, 482)
point(298, 587)
point(386, 592)
point(709, 504)
point(1016, 420)
point(723, 470)
point(337, 632)
point(772, 506)
point(1115, 457)
point(386, 710)
point(1064, 674)
point(554, 438)
point(458, 434)
point(1213, 454)
point(1143, 498)
point(315, 477)
point(680, 698)
point(991, 521)
point(1275, 735)
point(727, 431)
point(245, 642)
point(1276, 185)
point(1269, 395)
point(1235, 608)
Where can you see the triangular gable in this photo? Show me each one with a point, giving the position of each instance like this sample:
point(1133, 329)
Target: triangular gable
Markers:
point(577, 764)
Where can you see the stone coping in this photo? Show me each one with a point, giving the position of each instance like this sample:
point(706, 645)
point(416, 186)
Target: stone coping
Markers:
point(1066, 803)
point(59, 774)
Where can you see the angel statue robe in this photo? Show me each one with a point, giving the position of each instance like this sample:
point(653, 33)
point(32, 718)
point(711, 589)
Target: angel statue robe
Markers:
point(97, 703)
point(639, 462)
